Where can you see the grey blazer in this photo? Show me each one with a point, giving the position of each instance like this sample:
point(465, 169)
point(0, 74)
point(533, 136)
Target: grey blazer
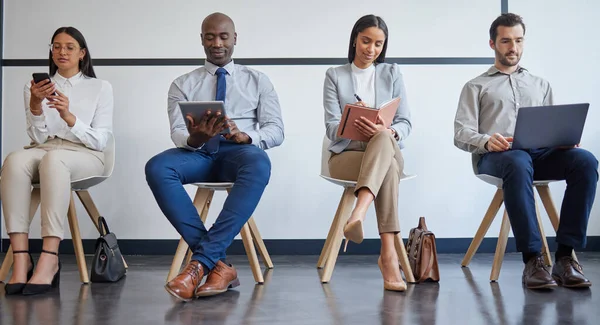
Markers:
point(338, 90)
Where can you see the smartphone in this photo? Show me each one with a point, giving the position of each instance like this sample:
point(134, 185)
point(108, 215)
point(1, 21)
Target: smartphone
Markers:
point(41, 76)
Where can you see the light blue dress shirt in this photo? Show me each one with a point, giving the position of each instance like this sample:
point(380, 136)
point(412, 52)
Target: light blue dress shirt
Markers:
point(251, 102)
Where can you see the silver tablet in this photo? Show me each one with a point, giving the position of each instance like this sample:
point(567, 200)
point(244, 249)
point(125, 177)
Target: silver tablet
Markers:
point(198, 109)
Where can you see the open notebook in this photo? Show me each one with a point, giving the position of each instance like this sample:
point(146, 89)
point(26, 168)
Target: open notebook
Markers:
point(352, 112)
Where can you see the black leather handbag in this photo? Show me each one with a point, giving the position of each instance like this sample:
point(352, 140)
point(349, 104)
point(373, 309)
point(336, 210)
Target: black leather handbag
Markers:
point(108, 265)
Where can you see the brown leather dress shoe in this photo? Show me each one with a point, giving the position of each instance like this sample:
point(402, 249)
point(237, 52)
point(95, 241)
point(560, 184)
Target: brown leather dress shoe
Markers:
point(221, 278)
point(536, 276)
point(568, 273)
point(184, 285)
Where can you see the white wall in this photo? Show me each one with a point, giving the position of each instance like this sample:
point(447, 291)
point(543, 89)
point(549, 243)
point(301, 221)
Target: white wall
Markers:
point(298, 204)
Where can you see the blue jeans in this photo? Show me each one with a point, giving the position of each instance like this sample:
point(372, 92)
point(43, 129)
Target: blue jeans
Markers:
point(519, 168)
point(247, 166)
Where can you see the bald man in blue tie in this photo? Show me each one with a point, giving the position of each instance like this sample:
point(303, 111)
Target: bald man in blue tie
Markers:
point(204, 155)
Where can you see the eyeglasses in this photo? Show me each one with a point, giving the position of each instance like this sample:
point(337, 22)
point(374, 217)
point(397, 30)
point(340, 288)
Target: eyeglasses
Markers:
point(69, 48)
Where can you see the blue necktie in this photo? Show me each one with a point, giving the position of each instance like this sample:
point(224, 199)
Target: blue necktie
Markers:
point(212, 146)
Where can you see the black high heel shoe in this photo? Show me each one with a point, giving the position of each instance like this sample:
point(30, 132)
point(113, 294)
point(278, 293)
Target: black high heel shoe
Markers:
point(36, 289)
point(17, 288)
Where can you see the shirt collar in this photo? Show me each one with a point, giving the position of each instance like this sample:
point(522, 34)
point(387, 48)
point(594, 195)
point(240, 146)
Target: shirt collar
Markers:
point(73, 80)
point(212, 68)
point(493, 70)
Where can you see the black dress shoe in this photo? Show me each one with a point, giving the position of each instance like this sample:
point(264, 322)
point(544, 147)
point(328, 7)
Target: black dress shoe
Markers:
point(36, 289)
point(17, 288)
point(536, 276)
point(568, 273)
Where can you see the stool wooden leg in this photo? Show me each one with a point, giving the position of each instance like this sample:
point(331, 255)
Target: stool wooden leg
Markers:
point(500, 247)
point(247, 240)
point(331, 257)
point(182, 248)
point(251, 252)
point(403, 258)
point(545, 249)
point(485, 225)
point(260, 244)
point(92, 210)
point(77, 244)
point(544, 192)
point(330, 235)
point(35, 202)
point(202, 202)
point(86, 199)
point(184, 254)
point(188, 256)
point(6, 265)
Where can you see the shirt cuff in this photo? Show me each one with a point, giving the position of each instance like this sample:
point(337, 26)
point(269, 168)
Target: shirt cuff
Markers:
point(78, 129)
point(38, 121)
point(186, 146)
point(254, 137)
point(482, 143)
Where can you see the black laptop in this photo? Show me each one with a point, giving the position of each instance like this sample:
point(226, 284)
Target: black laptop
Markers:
point(549, 126)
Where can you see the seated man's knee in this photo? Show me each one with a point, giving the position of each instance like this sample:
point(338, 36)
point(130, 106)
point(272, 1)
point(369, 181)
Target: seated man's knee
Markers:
point(516, 164)
point(586, 161)
point(517, 160)
point(258, 164)
point(156, 166)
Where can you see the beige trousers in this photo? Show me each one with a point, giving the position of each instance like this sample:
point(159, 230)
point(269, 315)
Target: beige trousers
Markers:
point(377, 168)
point(53, 164)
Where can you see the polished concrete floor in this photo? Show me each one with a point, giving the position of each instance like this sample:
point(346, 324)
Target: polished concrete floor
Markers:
point(292, 294)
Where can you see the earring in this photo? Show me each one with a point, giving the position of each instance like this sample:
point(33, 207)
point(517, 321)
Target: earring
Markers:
point(353, 44)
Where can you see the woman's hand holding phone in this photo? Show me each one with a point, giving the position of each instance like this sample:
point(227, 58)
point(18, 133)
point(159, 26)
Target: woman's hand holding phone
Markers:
point(40, 89)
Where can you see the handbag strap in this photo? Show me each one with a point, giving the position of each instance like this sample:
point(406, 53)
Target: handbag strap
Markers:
point(103, 226)
point(422, 224)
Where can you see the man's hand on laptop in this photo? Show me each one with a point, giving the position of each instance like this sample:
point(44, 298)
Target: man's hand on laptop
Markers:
point(207, 127)
point(236, 135)
point(498, 143)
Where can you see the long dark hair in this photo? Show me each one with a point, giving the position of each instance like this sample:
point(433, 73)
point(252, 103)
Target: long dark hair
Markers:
point(361, 24)
point(85, 65)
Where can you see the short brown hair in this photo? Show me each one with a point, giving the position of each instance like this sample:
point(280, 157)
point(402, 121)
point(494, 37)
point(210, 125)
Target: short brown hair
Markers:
point(507, 20)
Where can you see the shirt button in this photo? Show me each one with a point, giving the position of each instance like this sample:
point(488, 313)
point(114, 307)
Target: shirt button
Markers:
point(517, 104)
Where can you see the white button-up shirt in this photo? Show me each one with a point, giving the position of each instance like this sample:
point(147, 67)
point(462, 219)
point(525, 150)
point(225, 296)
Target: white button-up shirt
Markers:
point(90, 100)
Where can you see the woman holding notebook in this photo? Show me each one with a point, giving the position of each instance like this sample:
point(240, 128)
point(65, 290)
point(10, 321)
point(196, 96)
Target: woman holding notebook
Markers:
point(368, 151)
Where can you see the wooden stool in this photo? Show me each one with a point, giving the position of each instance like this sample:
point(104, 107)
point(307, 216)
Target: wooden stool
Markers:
point(80, 187)
point(250, 234)
point(544, 192)
point(331, 249)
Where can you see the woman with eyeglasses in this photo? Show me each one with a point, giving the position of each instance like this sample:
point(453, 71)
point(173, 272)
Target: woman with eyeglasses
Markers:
point(375, 164)
point(69, 120)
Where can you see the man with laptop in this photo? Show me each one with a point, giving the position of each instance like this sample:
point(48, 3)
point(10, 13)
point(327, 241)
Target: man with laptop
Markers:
point(204, 154)
point(485, 124)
